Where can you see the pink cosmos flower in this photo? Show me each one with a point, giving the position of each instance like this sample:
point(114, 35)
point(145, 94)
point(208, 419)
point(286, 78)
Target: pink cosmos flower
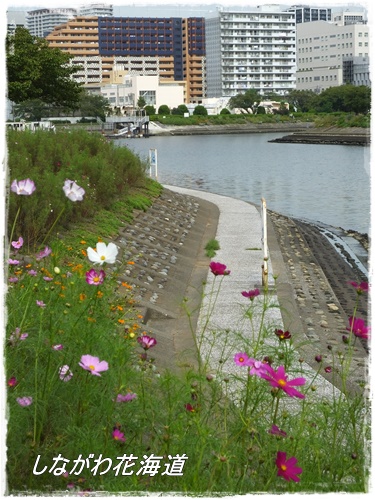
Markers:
point(47, 278)
point(146, 342)
point(73, 191)
point(13, 279)
point(17, 335)
point(93, 365)
point(257, 367)
point(58, 347)
point(251, 294)
point(358, 327)
point(280, 380)
point(287, 467)
point(125, 398)
point(65, 373)
point(40, 303)
point(43, 253)
point(219, 269)
point(18, 243)
point(32, 272)
point(276, 431)
point(12, 382)
point(241, 359)
point(94, 278)
point(25, 401)
point(118, 435)
point(360, 287)
point(13, 262)
point(24, 187)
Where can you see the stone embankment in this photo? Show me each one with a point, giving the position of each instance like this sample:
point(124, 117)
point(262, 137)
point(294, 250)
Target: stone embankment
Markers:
point(300, 132)
point(343, 136)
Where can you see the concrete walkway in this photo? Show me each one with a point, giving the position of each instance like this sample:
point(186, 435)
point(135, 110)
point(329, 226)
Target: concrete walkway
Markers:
point(222, 329)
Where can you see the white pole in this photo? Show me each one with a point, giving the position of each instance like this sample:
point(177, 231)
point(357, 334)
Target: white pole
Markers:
point(265, 244)
point(153, 160)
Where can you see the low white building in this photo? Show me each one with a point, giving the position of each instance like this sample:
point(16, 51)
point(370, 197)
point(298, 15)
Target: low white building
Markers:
point(125, 95)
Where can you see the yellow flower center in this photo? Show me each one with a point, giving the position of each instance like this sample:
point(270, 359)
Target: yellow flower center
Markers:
point(283, 467)
point(102, 257)
point(96, 279)
point(281, 382)
point(92, 367)
point(241, 360)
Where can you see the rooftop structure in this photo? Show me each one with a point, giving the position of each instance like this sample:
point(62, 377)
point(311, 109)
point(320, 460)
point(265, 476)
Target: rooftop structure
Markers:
point(42, 21)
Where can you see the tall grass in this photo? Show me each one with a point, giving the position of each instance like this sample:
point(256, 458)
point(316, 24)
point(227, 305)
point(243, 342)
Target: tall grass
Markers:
point(132, 427)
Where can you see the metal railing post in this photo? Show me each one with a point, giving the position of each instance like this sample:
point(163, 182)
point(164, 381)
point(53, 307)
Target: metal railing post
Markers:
point(265, 244)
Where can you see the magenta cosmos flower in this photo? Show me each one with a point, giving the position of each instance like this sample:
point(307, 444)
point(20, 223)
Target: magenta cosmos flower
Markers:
point(219, 269)
point(94, 278)
point(358, 327)
point(360, 287)
point(118, 435)
point(287, 467)
point(25, 401)
point(93, 365)
point(277, 431)
point(103, 253)
point(73, 191)
point(24, 187)
point(251, 294)
point(146, 342)
point(280, 380)
point(12, 382)
point(17, 244)
point(241, 359)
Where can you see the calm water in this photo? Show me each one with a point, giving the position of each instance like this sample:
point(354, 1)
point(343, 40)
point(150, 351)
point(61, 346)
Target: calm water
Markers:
point(329, 184)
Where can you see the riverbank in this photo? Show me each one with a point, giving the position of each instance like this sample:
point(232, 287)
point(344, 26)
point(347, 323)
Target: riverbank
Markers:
point(301, 132)
point(312, 285)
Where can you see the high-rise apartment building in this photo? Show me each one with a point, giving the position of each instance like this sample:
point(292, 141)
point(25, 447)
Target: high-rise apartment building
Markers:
point(329, 55)
point(306, 14)
point(42, 21)
point(96, 9)
point(172, 48)
point(252, 49)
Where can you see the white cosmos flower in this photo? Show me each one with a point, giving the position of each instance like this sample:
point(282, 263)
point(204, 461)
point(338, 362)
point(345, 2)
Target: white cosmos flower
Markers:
point(73, 191)
point(103, 253)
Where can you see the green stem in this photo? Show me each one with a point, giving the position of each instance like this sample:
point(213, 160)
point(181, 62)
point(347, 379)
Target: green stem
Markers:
point(53, 225)
point(14, 223)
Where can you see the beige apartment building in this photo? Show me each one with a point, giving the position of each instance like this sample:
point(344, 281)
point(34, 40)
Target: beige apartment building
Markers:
point(330, 55)
point(136, 46)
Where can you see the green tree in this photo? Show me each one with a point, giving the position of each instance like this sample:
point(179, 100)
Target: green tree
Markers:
point(345, 98)
point(200, 110)
point(301, 100)
point(249, 100)
point(164, 110)
point(93, 105)
point(141, 103)
point(37, 71)
point(32, 110)
point(150, 110)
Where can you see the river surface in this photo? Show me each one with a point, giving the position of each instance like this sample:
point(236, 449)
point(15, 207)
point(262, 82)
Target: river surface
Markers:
point(320, 183)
